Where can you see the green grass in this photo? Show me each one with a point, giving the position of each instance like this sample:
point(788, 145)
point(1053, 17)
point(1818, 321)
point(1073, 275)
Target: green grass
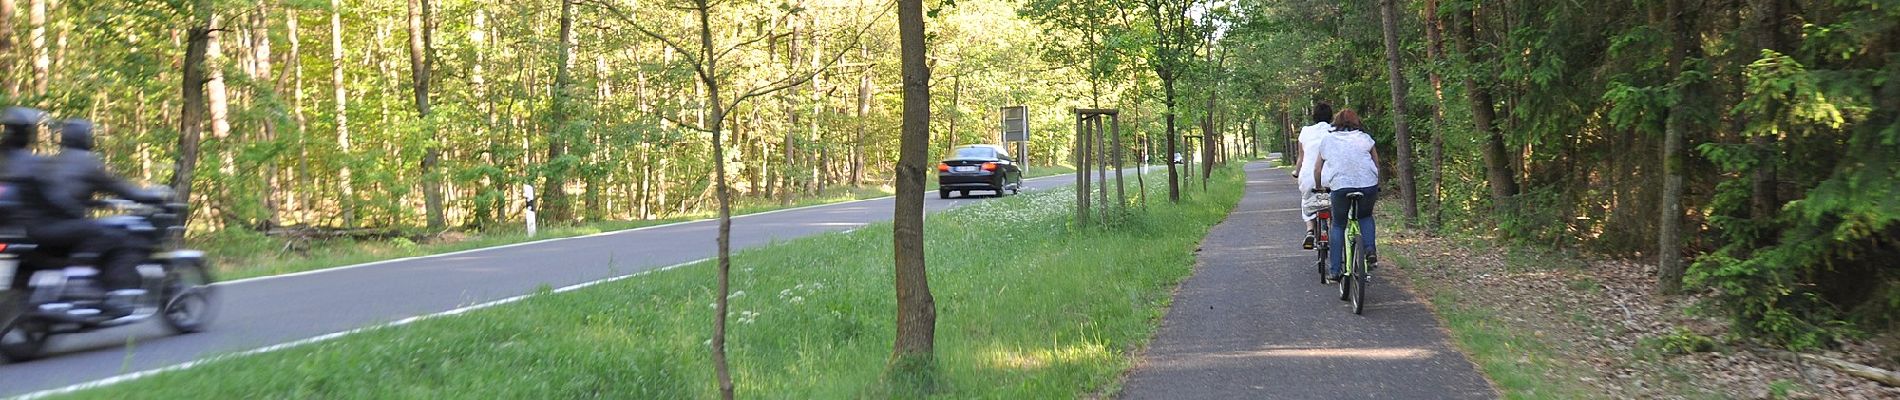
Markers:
point(244, 254)
point(1029, 307)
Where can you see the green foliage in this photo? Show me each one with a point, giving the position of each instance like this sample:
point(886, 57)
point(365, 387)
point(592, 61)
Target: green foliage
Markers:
point(1797, 278)
point(1680, 341)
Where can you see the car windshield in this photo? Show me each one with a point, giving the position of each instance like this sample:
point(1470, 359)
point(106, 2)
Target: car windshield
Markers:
point(975, 152)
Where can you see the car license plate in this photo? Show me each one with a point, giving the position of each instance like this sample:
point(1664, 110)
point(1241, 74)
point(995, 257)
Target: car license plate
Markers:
point(965, 169)
point(7, 268)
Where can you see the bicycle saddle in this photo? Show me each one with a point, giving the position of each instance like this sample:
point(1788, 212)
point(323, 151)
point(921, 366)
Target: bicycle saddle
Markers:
point(1355, 195)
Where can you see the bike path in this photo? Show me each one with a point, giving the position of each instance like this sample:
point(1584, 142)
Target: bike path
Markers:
point(1253, 322)
point(275, 310)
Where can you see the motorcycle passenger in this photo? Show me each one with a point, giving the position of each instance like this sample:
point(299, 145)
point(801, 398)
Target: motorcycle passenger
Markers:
point(57, 216)
point(17, 161)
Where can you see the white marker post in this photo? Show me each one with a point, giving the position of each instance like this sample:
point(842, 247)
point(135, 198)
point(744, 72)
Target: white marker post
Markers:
point(527, 192)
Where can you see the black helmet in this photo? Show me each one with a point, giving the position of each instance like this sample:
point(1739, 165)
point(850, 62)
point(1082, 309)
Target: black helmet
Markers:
point(76, 133)
point(22, 125)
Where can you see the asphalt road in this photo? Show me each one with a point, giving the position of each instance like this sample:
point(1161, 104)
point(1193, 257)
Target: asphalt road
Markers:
point(271, 311)
point(1253, 322)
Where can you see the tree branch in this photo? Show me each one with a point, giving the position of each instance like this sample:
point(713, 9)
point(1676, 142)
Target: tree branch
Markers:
point(622, 15)
point(800, 79)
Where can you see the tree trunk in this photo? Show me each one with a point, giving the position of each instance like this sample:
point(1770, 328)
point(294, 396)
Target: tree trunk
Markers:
point(555, 180)
point(1389, 14)
point(1765, 200)
point(421, 65)
point(219, 100)
point(1484, 114)
point(42, 59)
point(191, 118)
point(1435, 49)
point(342, 116)
point(864, 109)
point(914, 348)
point(261, 61)
point(1670, 268)
point(6, 46)
point(1167, 100)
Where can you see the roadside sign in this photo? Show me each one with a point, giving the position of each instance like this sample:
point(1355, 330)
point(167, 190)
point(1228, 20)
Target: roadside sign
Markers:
point(1015, 124)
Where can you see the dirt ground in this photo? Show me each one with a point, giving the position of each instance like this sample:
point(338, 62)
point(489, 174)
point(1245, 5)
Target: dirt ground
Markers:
point(1613, 332)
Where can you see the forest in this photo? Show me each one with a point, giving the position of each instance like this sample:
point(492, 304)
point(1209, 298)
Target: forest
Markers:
point(1748, 148)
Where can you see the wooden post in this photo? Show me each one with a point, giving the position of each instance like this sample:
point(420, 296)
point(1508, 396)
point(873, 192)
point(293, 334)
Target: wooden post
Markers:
point(1081, 173)
point(1115, 128)
point(1101, 166)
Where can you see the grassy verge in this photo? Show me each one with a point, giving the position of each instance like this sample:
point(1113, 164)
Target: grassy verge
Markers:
point(1028, 307)
point(244, 254)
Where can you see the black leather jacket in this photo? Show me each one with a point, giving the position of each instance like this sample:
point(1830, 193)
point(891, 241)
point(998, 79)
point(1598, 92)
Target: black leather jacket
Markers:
point(67, 182)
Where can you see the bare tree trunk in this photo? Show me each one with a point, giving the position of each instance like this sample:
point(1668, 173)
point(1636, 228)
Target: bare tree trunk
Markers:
point(220, 102)
point(42, 59)
point(7, 12)
point(1670, 268)
point(1483, 114)
point(1435, 49)
point(709, 76)
point(1174, 177)
point(1765, 200)
point(261, 61)
point(342, 117)
point(191, 119)
point(301, 196)
point(914, 348)
point(421, 66)
point(555, 182)
point(864, 110)
point(1389, 14)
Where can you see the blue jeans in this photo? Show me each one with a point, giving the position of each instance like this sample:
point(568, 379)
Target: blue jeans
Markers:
point(1368, 230)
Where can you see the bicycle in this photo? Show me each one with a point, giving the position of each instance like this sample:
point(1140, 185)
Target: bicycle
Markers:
point(1354, 277)
point(1322, 232)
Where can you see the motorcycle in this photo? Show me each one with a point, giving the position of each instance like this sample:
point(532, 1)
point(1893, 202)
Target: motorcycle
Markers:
point(46, 296)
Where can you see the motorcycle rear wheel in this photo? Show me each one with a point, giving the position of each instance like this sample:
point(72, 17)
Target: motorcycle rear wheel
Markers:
point(21, 338)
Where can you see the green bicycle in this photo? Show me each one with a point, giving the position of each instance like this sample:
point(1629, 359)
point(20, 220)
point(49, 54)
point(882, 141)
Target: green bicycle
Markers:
point(1354, 277)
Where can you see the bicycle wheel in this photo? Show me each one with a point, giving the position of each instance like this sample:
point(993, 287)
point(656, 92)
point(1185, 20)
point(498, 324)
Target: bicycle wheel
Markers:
point(1345, 278)
point(1321, 248)
point(1359, 293)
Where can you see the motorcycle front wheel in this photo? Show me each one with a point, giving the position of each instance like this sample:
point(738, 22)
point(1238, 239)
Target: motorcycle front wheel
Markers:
point(189, 297)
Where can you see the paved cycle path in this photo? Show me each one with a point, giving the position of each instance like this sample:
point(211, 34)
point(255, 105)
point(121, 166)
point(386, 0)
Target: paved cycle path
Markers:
point(1253, 322)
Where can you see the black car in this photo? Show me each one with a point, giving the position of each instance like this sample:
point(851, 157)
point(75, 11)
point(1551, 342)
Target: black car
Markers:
point(978, 167)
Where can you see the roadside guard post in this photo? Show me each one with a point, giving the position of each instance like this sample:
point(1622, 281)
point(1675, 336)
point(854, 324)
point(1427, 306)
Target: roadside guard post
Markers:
point(527, 193)
point(1016, 130)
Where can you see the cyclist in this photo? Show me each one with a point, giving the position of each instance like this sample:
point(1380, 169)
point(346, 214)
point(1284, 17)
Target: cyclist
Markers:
point(1348, 164)
point(1312, 201)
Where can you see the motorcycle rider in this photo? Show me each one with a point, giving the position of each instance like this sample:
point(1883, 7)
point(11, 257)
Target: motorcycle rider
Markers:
point(57, 215)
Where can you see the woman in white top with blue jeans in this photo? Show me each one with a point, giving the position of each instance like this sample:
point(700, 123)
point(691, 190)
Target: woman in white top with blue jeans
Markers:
point(1348, 164)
